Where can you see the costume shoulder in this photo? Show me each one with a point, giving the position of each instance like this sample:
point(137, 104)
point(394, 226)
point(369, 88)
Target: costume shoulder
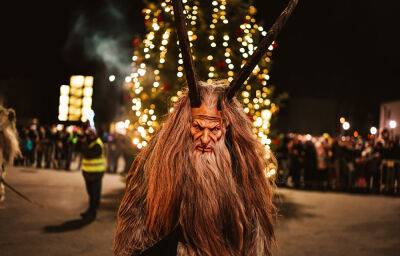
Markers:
point(131, 235)
point(167, 246)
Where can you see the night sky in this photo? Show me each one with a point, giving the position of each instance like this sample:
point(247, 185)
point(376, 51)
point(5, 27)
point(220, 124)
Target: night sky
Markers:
point(345, 51)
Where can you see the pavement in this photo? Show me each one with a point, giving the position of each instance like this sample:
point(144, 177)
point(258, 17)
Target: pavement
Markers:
point(318, 223)
point(310, 223)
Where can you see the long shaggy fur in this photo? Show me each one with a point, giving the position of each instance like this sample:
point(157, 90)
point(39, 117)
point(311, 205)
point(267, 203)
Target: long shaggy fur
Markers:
point(219, 229)
point(9, 144)
point(223, 202)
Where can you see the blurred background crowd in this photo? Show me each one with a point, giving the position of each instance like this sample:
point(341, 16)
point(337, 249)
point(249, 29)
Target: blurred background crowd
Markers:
point(60, 147)
point(344, 163)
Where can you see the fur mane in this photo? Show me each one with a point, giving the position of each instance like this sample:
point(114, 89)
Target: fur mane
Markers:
point(9, 144)
point(150, 207)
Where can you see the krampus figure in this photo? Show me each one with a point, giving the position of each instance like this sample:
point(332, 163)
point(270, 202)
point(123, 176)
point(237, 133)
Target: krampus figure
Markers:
point(9, 144)
point(200, 186)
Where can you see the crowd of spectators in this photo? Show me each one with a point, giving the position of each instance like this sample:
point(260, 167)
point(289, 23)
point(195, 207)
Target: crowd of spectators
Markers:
point(59, 147)
point(344, 163)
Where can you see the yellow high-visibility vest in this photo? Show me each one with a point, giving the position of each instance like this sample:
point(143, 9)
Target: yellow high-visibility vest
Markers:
point(95, 164)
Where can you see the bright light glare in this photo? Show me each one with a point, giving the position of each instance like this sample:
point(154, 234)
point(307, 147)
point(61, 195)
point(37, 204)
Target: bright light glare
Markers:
point(392, 124)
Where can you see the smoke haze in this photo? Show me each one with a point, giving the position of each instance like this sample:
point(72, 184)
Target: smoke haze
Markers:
point(104, 35)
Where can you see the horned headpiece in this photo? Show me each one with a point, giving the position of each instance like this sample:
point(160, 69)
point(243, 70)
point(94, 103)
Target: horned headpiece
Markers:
point(245, 71)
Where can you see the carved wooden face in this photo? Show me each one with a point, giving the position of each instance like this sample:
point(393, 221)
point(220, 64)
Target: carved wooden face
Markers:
point(207, 128)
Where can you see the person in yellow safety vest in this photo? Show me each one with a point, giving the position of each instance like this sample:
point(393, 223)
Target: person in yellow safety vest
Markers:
point(93, 167)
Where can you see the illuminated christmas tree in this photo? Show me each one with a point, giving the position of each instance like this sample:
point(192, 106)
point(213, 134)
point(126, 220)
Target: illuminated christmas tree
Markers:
point(223, 34)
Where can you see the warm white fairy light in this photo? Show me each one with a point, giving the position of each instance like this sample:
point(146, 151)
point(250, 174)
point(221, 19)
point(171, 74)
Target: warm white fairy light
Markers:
point(157, 42)
point(259, 106)
point(144, 125)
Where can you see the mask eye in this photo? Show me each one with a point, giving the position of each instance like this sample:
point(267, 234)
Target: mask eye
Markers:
point(197, 127)
point(216, 129)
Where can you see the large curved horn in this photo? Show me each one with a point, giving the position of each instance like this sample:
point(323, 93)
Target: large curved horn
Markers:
point(184, 44)
point(246, 70)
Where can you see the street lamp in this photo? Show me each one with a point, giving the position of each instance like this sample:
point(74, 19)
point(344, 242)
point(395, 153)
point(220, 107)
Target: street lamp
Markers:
point(373, 130)
point(346, 126)
point(392, 124)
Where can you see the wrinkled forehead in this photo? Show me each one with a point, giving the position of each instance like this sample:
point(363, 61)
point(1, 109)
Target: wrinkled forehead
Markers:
point(207, 113)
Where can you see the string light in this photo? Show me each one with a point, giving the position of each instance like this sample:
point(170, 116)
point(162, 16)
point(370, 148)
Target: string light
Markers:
point(228, 49)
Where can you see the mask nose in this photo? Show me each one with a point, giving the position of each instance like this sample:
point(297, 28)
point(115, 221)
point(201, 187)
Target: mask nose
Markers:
point(205, 137)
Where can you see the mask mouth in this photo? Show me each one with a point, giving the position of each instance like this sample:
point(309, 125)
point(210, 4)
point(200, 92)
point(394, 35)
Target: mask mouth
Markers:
point(205, 149)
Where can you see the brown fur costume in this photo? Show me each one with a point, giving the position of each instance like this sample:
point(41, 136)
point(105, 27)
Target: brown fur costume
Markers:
point(9, 145)
point(223, 207)
point(204, 171)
